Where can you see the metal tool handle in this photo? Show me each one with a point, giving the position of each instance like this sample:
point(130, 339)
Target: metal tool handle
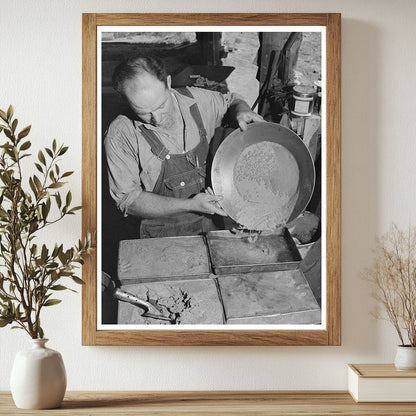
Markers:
point(142, 304)
point(129, 298)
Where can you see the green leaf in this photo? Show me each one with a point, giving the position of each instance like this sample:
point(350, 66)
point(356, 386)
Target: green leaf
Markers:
point(24, 132)
point(62, 257)
point(54, 145)
point(40, 331)
point(76, 279)
point(39, 167)
point(51, 302)
point(63, 150)
point(44, 253)
point(10, 112)
point(3, 115)
point(67, 174)
point(68, 199)
point(37, 182)
point(5, 178)
point(14, 125)
point(34, 226)
point(49, 152)
point(56, 185)
point(58, 199)
point(8, 133)
point(33, 187)
point(5, 321)
point(41, 157)
point(42, 194)
point(55, 251)
point(25, 145)
point(45, 211)
point(77, 208)
point(59, 287)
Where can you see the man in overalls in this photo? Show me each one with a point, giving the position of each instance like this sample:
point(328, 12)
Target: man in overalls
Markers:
point(157, 159)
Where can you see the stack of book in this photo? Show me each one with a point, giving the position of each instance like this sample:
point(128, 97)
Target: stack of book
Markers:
point(381, 383)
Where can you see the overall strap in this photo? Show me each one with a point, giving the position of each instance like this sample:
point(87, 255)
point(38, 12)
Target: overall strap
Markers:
point(194, 110)
point(157, 147)
point(196, 115)
point(184, 91)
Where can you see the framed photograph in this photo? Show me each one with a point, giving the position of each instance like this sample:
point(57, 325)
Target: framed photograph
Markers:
point(211, 172)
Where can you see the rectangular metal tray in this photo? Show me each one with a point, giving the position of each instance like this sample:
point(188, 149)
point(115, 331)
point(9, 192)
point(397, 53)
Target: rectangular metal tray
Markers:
point(166, 258)
point(232, 253)
point(193, 301)
point(282, 297)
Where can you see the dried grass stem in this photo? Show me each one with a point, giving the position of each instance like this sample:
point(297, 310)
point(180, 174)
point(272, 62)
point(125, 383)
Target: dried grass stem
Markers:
point(393, 277)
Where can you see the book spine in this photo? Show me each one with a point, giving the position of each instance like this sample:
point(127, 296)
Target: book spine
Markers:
point(353, 381)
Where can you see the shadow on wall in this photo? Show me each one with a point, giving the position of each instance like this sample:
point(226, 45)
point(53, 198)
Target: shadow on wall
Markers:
point(361, 85)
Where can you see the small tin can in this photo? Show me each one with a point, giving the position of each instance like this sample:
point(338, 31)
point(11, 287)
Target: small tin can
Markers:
point(303, 100)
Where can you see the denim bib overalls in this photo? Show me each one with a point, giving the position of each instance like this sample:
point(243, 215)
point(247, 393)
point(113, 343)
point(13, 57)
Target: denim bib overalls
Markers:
point(181, 176)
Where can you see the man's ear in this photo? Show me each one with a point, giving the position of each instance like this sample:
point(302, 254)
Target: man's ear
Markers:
point(169, 81)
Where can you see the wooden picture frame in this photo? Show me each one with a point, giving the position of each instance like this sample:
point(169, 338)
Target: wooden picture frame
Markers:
point(331, 333)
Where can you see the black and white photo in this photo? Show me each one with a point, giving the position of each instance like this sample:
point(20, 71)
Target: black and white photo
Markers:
point(211, 179)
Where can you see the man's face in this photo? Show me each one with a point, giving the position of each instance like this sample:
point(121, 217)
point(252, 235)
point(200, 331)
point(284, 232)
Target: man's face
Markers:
point(150, 99)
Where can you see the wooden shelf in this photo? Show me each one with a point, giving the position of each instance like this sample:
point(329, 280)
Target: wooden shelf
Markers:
point(267, 403)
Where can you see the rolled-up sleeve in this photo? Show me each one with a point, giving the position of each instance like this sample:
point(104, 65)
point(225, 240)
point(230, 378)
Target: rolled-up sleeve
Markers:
point(123, 163)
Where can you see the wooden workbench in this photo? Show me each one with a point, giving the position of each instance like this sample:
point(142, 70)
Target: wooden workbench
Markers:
point(318, 403)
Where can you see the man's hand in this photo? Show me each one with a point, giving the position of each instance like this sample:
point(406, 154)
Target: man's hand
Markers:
point(241, 112)
point(247, 116)
point(207, 203)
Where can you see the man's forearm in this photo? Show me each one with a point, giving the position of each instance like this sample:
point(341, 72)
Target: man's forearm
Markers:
point(150, 205)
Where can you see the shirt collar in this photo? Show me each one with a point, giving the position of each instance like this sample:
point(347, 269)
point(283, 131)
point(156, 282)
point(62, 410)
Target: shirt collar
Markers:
point(183, 101)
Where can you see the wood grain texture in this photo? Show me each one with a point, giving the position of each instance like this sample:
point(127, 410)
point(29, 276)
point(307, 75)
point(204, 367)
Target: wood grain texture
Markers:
point(380, 371)
point(331, 336)
point(89, 173)
point(211, 338)
point(260, 403)
point(333, 175)
point(212, 19)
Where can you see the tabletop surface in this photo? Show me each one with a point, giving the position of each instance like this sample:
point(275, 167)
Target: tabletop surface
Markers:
point(179, 403)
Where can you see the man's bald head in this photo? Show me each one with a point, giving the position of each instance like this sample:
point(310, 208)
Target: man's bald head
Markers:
point(135, 66)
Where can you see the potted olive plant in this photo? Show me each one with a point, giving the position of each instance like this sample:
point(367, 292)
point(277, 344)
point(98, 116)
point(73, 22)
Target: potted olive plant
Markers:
point(393, 277)
point(31, 273)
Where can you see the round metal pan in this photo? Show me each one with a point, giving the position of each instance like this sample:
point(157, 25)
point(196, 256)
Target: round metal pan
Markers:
point(230, 152)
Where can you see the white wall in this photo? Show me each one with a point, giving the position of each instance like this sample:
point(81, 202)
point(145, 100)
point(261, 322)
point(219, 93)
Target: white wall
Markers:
point(40, 73)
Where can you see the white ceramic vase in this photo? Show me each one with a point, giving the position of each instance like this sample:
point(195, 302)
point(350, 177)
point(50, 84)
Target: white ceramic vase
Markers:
point(405, 358)
point(38, 377)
